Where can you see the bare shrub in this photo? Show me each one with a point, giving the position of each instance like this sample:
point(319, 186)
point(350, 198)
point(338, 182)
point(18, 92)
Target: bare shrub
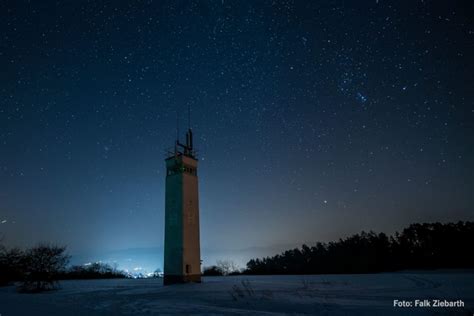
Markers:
point(10, 265)
point(212, 271)
point(248, 287)
point(97, 270)
point(42, 266)
point(246, 290)
point(227, 266)
point(238, 291)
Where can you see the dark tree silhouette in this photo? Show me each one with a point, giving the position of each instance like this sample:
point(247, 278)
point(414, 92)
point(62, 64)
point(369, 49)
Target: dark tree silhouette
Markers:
point(42, 266)
point(11, 262)
point(95, 270)
point(419, 246)
point(212, 271)
point(227, 267)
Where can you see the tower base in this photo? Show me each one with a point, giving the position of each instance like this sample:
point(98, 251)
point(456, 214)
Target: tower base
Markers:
point(176, 279)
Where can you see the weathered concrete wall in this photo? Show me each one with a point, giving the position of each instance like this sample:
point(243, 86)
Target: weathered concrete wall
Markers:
point(182, 245)
point(173, 225)
point(191, 252)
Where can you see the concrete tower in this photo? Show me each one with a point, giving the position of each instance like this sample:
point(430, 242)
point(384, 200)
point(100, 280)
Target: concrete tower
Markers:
point(182, 247)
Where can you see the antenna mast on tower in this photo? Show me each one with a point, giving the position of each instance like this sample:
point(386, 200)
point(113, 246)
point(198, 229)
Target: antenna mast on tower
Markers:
point(187, 147)
point(189, 116)
point(177, 125)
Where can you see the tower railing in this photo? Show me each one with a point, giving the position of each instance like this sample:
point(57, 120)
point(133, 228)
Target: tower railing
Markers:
point(175, 152)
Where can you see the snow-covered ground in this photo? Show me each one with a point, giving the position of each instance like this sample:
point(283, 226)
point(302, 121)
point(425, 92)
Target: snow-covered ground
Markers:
point(371, 294)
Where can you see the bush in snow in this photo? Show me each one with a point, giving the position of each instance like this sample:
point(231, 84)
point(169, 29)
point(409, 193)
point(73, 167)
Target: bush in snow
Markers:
point(42, 266)
point(11, 261)
point(212, 271)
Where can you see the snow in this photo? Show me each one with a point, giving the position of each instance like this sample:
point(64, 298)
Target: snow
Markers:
point(370, 294)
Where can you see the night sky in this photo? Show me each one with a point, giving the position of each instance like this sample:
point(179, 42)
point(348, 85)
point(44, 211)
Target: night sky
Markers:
point(313, 120)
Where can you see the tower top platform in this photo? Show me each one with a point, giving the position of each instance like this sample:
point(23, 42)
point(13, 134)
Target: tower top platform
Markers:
point(185, 150)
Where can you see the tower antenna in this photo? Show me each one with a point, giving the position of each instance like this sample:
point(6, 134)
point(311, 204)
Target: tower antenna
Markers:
point(189, 116)
point(177, 126)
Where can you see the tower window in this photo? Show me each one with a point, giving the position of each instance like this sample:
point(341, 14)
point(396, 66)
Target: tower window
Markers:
point(188, 268)
point(181, 169)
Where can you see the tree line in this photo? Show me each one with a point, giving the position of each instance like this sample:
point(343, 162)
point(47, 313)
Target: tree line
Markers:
point(39, 268)
point(222, 268)
point(419, 246)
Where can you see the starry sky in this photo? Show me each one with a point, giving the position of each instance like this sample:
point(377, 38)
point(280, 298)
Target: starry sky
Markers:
point(313, 120)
